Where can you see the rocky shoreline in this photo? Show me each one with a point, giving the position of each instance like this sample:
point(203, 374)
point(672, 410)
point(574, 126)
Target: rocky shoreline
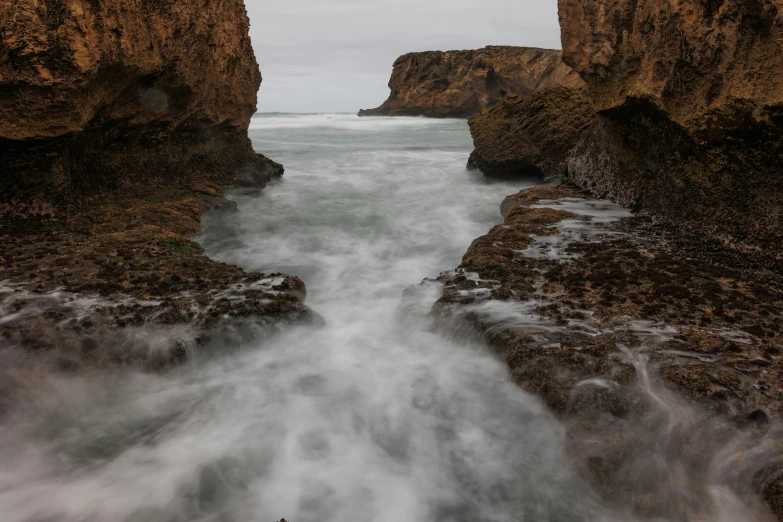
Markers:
point(660, 364)
point(122, 283)
point(679, 119)
point(655, 335)
point(120, 125)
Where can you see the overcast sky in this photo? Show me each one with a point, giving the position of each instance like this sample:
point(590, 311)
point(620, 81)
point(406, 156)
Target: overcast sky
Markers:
point(336, 55)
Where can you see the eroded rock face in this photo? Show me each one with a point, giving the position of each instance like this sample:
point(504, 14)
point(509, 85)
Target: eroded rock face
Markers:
point(101, 96)
point(118, 121)
point(530, 137)
point(694, 59)
point(461, 83)
point(691, 101)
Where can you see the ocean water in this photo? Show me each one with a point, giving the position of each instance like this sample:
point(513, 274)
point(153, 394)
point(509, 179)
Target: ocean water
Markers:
point(372, 417)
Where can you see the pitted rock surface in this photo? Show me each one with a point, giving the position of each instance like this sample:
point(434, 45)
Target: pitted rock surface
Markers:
point(459, 84)
point(122, 95)
point(646, 352)
point(690, 95)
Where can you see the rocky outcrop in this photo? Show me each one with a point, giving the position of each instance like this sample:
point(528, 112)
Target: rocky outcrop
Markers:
point(530, 137)
point(120, 283)
point(118, 122)
point(697, 61)
point(459, 84)
point(687, 123)
point(664, 368)
point(690, 97)
point(122, 95)
point(656, 337)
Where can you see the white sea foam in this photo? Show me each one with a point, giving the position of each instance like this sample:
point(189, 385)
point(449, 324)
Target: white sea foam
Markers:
point(371, 417)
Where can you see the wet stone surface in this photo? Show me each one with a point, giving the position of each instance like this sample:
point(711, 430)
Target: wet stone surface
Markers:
point(665, 366)
point(120, 283)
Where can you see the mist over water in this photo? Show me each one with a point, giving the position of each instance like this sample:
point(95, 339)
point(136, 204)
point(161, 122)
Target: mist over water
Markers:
point(371, 418)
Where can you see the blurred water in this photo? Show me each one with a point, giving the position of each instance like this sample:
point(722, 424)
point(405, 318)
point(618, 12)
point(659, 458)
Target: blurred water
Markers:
point(370, 418)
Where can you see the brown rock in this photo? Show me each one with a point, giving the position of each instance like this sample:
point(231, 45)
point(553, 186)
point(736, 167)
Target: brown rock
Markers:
point(459, 84)
point(101, 96)
point(691, 102)
point(647, 354)
point(690, 59)
point(118, 120)
point(530, 137)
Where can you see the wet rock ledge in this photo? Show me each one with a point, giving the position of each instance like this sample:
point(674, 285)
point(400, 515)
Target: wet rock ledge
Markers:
point(120, 123)
point(656, 336)
point(121, 283)
point(458, 84)
point(666, 368)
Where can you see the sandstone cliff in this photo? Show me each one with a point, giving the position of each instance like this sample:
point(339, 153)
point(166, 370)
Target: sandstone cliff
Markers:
point(118, 121)
point(690, 97)
point(687, 125)
point(461, 83)
point(682, 121)
point(101, 96)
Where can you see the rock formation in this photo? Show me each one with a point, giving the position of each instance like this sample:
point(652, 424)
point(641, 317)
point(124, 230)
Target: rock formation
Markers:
point(459, 84)
point(530, 137)
point(619, 326)
point(691, 103)
point(119, 282)
point(103, 96)
point(119, 120)
point(689, 116)
point(664, 368)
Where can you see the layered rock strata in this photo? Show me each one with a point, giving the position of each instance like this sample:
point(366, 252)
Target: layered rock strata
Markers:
point(106, 96)
point(666, 369)
point(459, 84)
